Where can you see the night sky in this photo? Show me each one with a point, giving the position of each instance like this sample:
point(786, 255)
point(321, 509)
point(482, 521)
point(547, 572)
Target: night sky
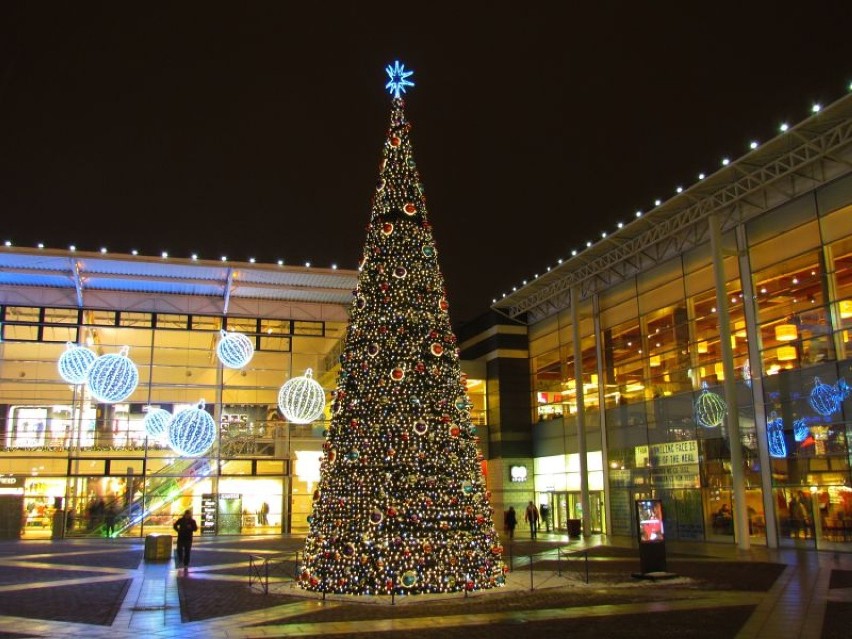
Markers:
point(254, 129)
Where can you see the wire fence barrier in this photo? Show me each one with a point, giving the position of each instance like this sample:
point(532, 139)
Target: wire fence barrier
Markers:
point(276, 569)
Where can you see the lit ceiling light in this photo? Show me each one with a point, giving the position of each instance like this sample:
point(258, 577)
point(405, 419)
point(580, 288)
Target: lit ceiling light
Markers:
point(251, 260)
point(224, 258)
point(334, 267)
point(588, 244)
point(725, 161)
point(40, 245)
point(195, 256)
point(514, 288)
point(103, 249)
point(784, 126)
point(638, 213)
point(816, 108)
point(165, 254)
point(620, 225)
point(524, 283)
point(763, 290)
point(548, 269)
point(280, 262)
point(308, 264)
point(7, 243)
point(753, 145)
point(657, 202)
point(133, 252)
point(559, 261)
point(700, 176)
point(573, 252)
point(786, 332)
point(603, 234)
point(679, 189)
point(72, 248)
point(795, 280)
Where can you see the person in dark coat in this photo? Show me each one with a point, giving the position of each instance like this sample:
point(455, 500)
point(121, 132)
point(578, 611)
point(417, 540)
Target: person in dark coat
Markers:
point(510, 520)
point(185, 527)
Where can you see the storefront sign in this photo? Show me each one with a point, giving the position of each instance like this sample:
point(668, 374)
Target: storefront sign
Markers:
point(518, 473)
point(685, 476)
point(208, 514)
point(11, 481)
point(667, 454)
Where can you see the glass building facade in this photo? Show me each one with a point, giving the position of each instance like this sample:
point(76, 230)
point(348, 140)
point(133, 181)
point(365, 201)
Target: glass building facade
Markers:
point(73, 466)
point(720, 320)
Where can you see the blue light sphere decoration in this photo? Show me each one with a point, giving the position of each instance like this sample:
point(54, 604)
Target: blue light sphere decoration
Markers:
point(192, 431)
point(824, 398)
point(113, 378)
point(302, 399)
point(801, 430)
point(156, 422)
point(775, 436)
point(234, 350)
point(710, 409)
point(74, 363)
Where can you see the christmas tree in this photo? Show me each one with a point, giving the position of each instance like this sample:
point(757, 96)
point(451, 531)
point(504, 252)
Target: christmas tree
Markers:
point(401, 505)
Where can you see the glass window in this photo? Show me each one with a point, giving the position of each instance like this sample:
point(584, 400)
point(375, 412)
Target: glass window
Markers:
point(308, 328)
point(20, 332)
point(168, 320)
point(61, 315)
point(242, 324)
point(137, 320)
point(22, 314)
point(206, 323)
point(99, 318)
point(59, 334)
point(275, 327)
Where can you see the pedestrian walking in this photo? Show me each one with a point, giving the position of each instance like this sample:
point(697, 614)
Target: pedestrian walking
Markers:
point(109, 520)
point(544, 511)
point(531, 517)
point(185, 527)
point(510, 520)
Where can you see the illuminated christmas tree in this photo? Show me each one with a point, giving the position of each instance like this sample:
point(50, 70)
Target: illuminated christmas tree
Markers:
point(401, 505)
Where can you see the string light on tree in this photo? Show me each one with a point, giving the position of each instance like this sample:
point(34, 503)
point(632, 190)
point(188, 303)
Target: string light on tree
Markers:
point(156, 422)
point(401, 505)
point(74, 363)
point(192, 431)
point(302, 399)
point(234, 350)
point(113, 378)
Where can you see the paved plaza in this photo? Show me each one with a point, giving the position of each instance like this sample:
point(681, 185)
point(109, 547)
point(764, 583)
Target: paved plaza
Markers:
point(105, 588)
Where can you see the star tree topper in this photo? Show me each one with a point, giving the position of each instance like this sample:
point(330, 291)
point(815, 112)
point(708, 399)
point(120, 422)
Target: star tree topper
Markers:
point(398, 79)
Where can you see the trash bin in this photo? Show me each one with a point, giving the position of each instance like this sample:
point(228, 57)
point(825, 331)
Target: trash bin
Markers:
point(158, 547)
point(574, 528)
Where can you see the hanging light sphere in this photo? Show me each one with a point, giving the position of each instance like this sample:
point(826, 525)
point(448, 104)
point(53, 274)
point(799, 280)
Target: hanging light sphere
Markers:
point(192, 431)
point(74, 363)
point(775, 436)
point(710, 409)
point(156, 422)
point(113, 378)
point(800, 430)
point(234, 350)
point(302, 399)
point(823, 398)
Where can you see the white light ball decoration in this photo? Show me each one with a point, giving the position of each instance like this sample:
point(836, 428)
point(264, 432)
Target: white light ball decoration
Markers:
point(302, 399)
point(234, 350)
point(113, 378)
point(156, 422)
point(74, 363)
point(192, 431)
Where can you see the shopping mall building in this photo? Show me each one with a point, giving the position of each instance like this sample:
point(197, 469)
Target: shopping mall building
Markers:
point(624, 372)
point(722, 315)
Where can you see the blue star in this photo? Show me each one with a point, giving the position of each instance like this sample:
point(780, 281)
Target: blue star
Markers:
point(398, 79)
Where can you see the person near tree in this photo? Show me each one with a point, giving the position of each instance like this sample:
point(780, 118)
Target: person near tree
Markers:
point(510, 521)
point(185, 527)
point(109, 520)
point(531, 517)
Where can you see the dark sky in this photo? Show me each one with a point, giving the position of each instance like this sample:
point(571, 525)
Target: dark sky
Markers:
point(254, 129)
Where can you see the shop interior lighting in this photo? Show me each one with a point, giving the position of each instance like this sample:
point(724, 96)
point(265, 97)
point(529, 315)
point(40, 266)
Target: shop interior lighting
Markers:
point(103, 249)
point(783, 128)
point(165, 254)
point(72, 248)
point(725, 161)
point(786, 332)
point(753, 145)
point(194, 256)
point(816, 108)
point(133, 252)
point(846, 309)
point(785, 353)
